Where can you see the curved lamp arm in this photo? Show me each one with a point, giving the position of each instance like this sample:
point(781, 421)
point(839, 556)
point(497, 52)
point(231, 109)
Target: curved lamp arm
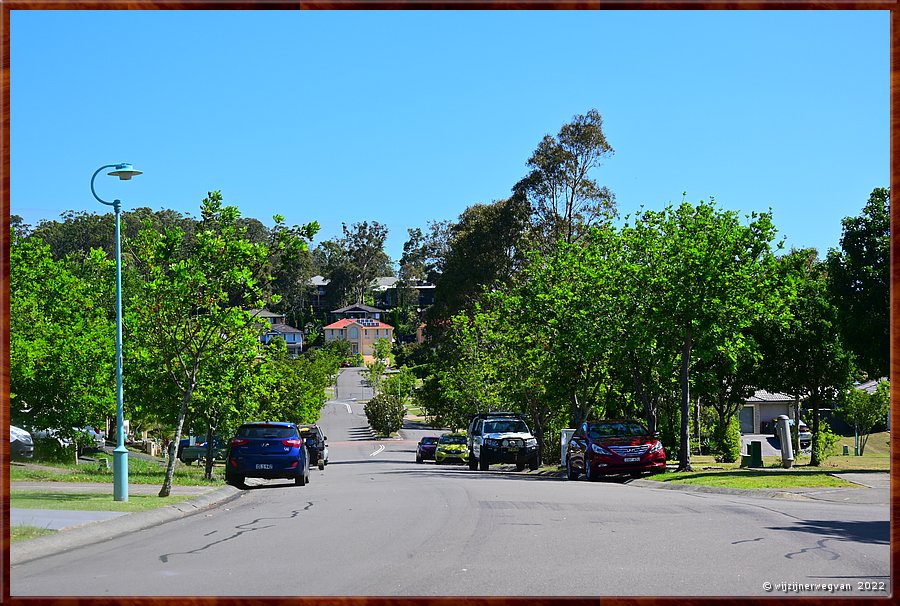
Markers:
point(124, 171)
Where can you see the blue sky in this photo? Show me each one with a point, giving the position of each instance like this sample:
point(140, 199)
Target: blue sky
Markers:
point(410, 117)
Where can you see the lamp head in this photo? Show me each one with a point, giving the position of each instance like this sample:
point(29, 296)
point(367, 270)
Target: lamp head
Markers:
point(125, 172)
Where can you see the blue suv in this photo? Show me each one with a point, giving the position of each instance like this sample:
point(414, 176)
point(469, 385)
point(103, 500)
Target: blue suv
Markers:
point(266, 450)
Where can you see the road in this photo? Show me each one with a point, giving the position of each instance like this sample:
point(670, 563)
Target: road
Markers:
point(376, 523)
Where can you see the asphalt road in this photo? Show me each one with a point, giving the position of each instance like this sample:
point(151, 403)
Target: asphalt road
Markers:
point(376, 523)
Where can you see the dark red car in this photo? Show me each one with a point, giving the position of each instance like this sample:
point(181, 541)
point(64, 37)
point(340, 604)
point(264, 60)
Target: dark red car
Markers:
point(426, 448)
point(614, 447)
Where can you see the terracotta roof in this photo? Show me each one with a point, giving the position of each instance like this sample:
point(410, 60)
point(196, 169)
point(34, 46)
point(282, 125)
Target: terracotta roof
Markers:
point(346, 321)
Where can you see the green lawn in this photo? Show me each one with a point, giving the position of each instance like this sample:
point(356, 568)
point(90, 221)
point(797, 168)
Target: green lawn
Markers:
point(88, 501)
point(744, 478)
point(140, 471)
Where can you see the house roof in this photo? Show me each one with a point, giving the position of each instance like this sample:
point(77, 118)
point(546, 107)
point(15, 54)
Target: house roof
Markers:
point(262, 313)
point(384, 283)
point(370, 323)
point(284, 329)
point(358, 307)
point(319, 281)
point(762, 395)
point(870, 386)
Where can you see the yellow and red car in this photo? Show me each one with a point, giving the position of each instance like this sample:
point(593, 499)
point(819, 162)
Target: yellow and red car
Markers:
point(451, 448)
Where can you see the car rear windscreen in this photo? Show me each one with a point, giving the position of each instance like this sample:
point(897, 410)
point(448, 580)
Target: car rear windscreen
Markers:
point(266, 431)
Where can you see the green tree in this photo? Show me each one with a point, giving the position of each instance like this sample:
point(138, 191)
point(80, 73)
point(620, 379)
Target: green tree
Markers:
point(865, 411)
point(61, 339)
point(806, 355)
point(353, 261)
point(195, 296)
point(714, 279)
point(565, 200)
point(486, 247)
point(859, 283)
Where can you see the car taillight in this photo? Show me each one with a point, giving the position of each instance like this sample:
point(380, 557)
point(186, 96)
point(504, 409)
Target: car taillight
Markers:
point(293, 443)
point(237, 441)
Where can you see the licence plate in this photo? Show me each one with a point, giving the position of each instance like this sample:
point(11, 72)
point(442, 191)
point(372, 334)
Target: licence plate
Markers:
point(632, 459)
point(513, 449)
point(264, 466)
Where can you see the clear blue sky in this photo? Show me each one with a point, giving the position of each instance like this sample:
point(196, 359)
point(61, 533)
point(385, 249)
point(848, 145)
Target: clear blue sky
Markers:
point(407, 117)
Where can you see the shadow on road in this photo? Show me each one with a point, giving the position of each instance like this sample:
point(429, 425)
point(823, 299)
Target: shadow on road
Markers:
point(876, 532)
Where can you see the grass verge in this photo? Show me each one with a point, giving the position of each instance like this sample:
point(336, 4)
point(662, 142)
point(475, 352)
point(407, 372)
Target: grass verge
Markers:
point(24, 533)
point(748, 479)
point(140, 471)
point(88, 501)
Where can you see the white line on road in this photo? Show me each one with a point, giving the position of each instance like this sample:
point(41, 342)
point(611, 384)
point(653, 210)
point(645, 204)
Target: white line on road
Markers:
point(380, 448)
point(349, 410)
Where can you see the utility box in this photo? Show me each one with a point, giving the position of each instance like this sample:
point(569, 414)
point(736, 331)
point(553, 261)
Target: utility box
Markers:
point(753, 458)
point(565, 436)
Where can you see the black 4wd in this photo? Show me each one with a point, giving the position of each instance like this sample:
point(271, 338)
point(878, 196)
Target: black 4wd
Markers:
point(315, 444)
point(501, 437)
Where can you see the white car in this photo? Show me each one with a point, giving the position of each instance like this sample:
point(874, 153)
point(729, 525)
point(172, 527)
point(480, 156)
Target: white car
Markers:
point(804, 434)
point(20, 443)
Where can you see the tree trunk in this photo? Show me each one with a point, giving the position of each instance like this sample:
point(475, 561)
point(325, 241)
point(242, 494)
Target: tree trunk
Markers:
point(684, 458)
point(815, 461)
point(173, 446)
point(209, 452)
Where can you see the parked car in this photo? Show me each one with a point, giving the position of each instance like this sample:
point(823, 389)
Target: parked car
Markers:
point(426, 447)
point(267, 450)
point(803, 434)
point(89, 438)
point(451, 448)
point(197, 451)
point(315, 445)
point(501, 437)
point(21, 445)
point(614, 447)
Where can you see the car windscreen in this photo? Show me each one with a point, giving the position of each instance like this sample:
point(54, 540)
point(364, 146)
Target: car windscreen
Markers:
point(615, 430)
point(453, 440)
point(505, 426)
point(429, 440)
point(266, 431)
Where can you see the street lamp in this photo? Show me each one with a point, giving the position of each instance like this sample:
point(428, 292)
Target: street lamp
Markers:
point(120, 455)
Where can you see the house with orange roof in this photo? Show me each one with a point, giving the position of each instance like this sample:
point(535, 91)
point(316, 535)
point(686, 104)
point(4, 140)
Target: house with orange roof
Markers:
point(361, 333)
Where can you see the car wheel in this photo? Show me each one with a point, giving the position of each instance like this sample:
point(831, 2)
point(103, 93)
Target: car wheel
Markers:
point(418, 459)
point(534, 463)
point(235, 480)
point(301, 479)
point(483, 463)
point(571, 474)
point(520, 466)
point(473, 462)
point(321, 465)
point(588, 474)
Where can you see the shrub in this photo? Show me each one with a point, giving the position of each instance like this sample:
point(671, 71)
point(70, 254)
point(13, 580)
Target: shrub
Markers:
point(729, 441)
point(385, 413)
point(825, 442)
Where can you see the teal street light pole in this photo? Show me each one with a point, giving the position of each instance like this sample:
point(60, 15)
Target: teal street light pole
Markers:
point(120, 455)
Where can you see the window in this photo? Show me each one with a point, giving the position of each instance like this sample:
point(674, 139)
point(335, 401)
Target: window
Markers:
point(354, 332)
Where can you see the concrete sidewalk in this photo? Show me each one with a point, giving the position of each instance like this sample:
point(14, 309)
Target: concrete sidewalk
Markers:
point(81, 528)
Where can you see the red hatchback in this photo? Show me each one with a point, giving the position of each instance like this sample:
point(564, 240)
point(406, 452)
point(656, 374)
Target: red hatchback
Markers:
point(614, 447)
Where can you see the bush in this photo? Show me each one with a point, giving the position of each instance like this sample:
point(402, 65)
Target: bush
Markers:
point(729, 441)
point(825, 442)
point(385, 413)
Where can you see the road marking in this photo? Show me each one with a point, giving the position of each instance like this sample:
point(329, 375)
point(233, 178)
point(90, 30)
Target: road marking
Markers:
point(380, 448)
point(349, 410)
